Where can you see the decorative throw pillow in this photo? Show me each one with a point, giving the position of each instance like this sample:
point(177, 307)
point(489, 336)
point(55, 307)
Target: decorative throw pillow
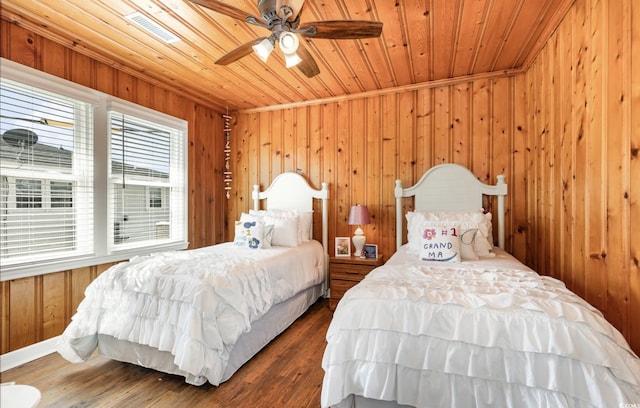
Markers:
point(475, 230)
point(440, 243)
point(268, 228)
point(249, 234)
point(467, 239)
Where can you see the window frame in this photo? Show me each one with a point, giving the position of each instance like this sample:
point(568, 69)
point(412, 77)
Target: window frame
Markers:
point(102, 103)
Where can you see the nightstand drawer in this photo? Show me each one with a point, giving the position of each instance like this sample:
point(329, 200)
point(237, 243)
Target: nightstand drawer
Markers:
point(339, 288)
point(349, 272)
point(346, 272)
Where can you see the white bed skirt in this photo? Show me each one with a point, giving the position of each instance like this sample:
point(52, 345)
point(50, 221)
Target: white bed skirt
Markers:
point(279, 317)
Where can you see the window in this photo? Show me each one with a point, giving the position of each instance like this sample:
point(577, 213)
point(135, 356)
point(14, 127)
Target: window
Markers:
point(28, 193)
point(85, 178)
point(45, 153)
point(155, 197)
point(147, 164)
point(61, 194)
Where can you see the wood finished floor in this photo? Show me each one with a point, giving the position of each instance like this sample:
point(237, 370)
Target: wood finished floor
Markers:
point(286, 373)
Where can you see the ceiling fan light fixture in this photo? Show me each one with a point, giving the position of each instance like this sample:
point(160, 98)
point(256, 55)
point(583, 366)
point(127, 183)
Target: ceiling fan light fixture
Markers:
point(291, 60)
point(289, 43)
point(263, 49)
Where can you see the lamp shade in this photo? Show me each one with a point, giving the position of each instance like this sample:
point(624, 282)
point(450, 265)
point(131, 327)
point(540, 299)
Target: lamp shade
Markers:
point(289, 42)
point(291, 60)
point(263, 49)
point(359, 215)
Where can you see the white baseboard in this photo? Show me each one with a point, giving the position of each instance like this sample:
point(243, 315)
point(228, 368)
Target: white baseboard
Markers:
point(26, 354)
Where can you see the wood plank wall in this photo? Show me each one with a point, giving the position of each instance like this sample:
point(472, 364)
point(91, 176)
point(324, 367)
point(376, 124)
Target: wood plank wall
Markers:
point(582, 164)
point(360, 146)
point(566, 134)
point(38, 308)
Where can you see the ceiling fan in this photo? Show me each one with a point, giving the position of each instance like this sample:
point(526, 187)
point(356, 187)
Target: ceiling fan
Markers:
point(282, 18)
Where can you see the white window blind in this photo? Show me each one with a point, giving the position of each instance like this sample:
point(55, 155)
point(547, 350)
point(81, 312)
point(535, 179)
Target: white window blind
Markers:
point(147, 181)
point(46, 175)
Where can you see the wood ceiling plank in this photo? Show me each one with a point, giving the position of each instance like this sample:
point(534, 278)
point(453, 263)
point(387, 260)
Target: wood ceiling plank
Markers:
point(325, 49)
point(392, 15)
point(330, 80)
point(444, 24)
point(541, 31)
point(514, 18)
point(373, 50)
point(416, 17)
point(472, 25)
point(362, 66)
point(519, 35)
point(498, 20)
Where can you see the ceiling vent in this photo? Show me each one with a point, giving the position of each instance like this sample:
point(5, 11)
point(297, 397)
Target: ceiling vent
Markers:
point(151, 26)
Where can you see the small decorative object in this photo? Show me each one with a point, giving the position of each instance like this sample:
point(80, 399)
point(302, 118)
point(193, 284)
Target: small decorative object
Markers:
point(370, 251)
point(343, 246)
point(359, 216)
point(227, 155)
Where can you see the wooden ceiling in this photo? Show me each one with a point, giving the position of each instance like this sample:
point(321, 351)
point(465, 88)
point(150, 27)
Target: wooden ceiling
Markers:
point(421, 41)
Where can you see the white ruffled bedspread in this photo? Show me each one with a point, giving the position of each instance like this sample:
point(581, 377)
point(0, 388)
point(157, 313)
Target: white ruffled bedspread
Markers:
point(434, 336)
point(193, 304)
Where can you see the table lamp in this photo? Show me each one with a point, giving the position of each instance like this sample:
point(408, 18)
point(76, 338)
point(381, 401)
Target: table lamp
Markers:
point(359, 215)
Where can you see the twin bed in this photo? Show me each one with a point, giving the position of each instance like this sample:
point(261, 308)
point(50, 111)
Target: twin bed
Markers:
point(426, 331)
point(203, 313)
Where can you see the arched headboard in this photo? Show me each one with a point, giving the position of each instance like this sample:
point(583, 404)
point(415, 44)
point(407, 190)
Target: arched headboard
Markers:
point(450, 187)
point(291, 191)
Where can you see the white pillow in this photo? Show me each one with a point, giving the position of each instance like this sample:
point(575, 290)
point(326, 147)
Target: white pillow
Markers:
point(268, 228)
point(249, 234)
point(475, 223)
point(440, 242)
point(268, 235)
point(285, 226)
point(306, 225)
point(305, 220)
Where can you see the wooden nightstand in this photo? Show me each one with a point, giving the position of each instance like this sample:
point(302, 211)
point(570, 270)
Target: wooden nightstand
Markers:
point(345, 272)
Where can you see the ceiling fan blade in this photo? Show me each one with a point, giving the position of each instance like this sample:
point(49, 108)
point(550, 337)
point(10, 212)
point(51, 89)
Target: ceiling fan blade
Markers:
point(344, 29)
point(294, 5)
point(241, 51)
point(308, 65)
point(223, 8)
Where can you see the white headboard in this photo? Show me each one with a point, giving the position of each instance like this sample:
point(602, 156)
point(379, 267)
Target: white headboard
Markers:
point(450, 187)
point(290, 191)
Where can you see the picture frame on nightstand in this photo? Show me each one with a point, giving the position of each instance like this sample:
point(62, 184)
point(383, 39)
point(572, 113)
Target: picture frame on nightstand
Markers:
point(370, 251)
point(343, 246)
